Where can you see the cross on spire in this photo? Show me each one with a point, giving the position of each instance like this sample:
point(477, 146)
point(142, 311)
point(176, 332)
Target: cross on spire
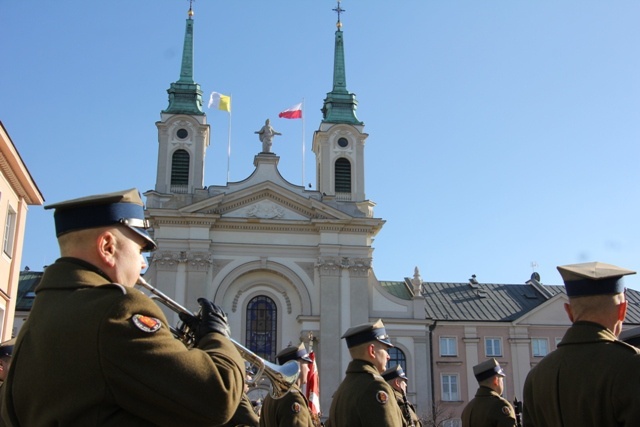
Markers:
point(339, 10)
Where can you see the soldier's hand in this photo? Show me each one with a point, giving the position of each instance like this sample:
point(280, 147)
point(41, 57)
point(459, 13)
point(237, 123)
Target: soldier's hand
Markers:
point(212, 319)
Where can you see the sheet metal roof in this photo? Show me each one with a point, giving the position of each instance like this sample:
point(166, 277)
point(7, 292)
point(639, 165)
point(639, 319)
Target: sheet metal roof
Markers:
point(492, 302)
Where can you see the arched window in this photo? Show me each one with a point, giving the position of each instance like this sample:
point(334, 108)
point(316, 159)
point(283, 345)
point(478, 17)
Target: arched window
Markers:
point(343, 175)
point(180, 168)
point(397, 358)
point(261, 335)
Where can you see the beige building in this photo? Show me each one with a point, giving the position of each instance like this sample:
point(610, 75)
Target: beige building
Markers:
point(18, 190)
point(471, 322)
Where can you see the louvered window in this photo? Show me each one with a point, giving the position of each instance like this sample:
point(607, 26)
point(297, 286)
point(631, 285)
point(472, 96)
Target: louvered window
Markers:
point(180, 168)
point(343, 175)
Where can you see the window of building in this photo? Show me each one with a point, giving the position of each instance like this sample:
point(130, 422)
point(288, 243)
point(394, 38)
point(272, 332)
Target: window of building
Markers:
point(9, 231)
point(493, 347)
point(558, 339)
point(343, 175)
point(262, 320)
point(448, 346)
point(397, 357)
point(539, 347)
point(450, 387)
point(180, 168)
point(451, 423)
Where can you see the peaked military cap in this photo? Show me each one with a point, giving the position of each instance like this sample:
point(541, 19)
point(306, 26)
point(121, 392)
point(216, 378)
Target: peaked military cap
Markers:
point(593, 278)
point(293, 353)
point(6, 348)
point(487, 369)
point(121, 207)
point(367, 332)
point(393, 373)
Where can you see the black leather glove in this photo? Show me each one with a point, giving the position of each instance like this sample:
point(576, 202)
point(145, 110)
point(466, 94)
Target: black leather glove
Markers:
point(212, 319)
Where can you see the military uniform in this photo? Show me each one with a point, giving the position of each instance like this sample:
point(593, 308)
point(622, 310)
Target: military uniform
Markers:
point(81, 360)
point(488, 409)
point(245, 415)
point(291, 410)
point(391, 376)
point(94, 353)
point(592, 379)
point(408, 410)
point(364, 399)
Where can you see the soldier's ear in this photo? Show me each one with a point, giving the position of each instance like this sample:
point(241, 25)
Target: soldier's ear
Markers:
point(567, 308)
point(106, 246)
point(371, 350)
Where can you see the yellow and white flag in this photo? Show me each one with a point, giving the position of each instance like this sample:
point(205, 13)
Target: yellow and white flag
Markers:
point(220, 101)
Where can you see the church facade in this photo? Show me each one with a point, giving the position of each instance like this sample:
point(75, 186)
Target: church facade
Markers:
point(287, 264)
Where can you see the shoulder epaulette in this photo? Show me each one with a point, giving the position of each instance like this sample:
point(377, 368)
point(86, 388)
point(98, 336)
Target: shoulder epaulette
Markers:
point(630, 347)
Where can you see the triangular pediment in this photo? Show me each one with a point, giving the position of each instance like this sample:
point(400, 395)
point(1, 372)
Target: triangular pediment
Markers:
point(266, 200)
point(551, 312)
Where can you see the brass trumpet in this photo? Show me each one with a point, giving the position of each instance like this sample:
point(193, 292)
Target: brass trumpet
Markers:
point(281, 377)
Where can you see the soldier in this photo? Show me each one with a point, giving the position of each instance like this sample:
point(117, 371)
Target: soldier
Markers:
point(488, 408)
point(397, 379)
point(246, 415)
point(592, 378)
point(293, 408)
point(364, 398)
point(96, 351)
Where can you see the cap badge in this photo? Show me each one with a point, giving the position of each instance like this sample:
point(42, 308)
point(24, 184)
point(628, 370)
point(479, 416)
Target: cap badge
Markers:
point(295, 408)
point(382, 397)
point(146, 323)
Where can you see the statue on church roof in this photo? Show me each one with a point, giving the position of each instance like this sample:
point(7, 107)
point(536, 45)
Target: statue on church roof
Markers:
point(266, 135)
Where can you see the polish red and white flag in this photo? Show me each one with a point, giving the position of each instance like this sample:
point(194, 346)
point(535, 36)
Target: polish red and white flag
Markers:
point(313, 387)
point(294, 112)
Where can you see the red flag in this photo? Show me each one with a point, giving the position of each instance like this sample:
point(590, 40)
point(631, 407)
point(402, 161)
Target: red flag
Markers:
point(294, 112)
point(313, 387)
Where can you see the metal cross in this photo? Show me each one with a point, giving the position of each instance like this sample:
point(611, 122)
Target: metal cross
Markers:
point(338, 10)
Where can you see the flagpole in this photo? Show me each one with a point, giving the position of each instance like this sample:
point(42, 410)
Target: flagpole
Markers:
point(229, 146)
point(303, 148)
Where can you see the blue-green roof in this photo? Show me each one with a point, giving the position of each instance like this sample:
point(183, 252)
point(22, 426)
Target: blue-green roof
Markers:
point(398, 289)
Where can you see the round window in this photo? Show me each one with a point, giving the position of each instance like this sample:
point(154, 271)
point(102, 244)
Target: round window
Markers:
point(342, 142)
point(182, 133)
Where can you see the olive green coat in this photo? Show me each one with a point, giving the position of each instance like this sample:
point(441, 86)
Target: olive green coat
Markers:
point(592, 379)
point(364, 399)
point(488, 409)
point(407, 409)
point(81, 361)
point(291, 410)
point(245, 415)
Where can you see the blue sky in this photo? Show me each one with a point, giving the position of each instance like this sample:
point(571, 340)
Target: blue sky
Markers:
point(501, 133)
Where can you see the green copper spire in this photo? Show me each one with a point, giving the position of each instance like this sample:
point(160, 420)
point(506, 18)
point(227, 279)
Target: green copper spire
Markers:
point(185, 95)
point(340, 105)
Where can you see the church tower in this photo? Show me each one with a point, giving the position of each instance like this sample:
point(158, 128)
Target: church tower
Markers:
point(339, 142)
point(183, 132)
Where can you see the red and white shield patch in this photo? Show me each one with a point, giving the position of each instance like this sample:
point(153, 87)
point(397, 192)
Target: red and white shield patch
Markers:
point(506, 410)
point(146, 323)
point(382, 397)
